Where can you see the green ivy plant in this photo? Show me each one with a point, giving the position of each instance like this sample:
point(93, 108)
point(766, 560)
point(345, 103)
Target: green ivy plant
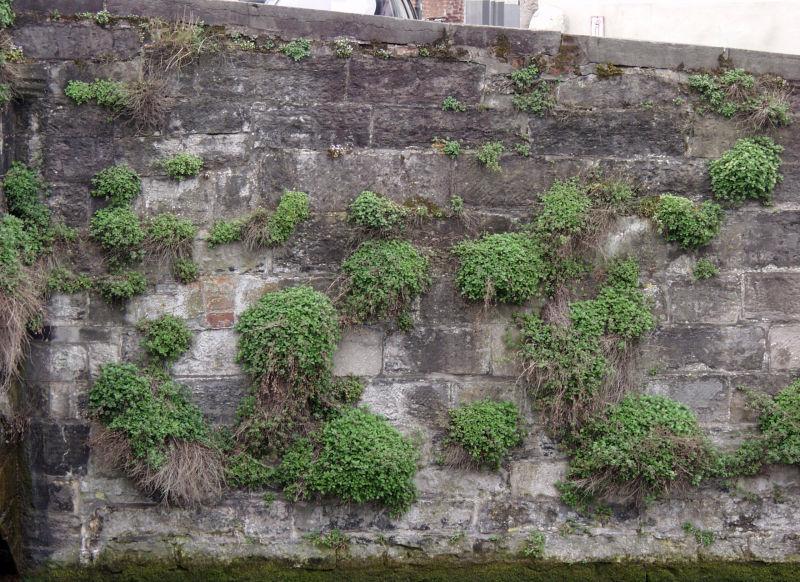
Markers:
point(224, 232)
point(166, 338)
point(749, 170)
point(506, 268)
point(118, 230)
point(182, 166)
point(168, 234)
point(381, 278)
point(62, 280)
point(375, 212)
point(119, 185)
point(486, 430)
point(297, 49)
point(24, 190)
point(112, 95)
point(489, 155)
point(7, 15)
point(705, 269)
point(121, 286)
point(686, 223)
point(450, 103)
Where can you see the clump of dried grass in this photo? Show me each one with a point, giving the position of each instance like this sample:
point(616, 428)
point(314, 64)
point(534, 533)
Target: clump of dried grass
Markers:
point(192, 473)
point(17, 309)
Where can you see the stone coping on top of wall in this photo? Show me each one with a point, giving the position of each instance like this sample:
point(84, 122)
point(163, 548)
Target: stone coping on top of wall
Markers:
point(323, 25)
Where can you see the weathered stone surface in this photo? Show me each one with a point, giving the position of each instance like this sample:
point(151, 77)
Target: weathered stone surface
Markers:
point(715, 300)
point(59, 448)
point(753, 239)
point(448, 351)
point(535, 478)
point(772, 296)
point(784, 347)
point(708, 396)
point(412, 81)
point(212, 352)
point(317, 127)
point(70, 41)
point(218, 397)
point(360, 353)
point(620, 91)
point(707, 347)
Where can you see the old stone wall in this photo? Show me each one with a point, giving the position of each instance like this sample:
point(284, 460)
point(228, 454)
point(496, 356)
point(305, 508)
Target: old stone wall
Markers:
point(263, 124)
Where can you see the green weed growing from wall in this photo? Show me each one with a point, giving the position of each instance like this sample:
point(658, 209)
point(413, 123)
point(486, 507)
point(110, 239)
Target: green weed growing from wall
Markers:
point(485, 430)
point(166, 338)
point(182, 166)
point(375, 212)
point(119, 185)
point(749, 170)
point(682, 221)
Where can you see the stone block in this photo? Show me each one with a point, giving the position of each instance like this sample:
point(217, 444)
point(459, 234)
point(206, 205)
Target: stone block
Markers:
point(66, 308)
point(712, 136)
point(213, 352)
point(421, 82)
point(218, 398)
point(66, 400)
point(629, 133)
point(202, 114)
point(437, 350)
point(319, 245)
point(628, 90)
point(716, 300)
point(77, 41)
point(708, 396)
point(76, 159)
point(58, 449)
point(772, 296)
point(447, 483)
point(410, 403)
point(428, 513)
point(504, 362)
point(317, 127)
point(707, 348)
point(58, 362)
point(742, 414)
point(360, 352)
point(536, 478)
point(757, 238)
point(784, 347)
point(393, 128)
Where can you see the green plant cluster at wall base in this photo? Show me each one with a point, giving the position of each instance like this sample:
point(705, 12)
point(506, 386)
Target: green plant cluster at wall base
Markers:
point(486, 430)
point(170, 235)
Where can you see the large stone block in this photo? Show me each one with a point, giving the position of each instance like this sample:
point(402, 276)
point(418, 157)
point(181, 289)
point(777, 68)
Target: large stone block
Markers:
point(218, 398)
point(622, 91)
point(784, 347)
point(716, 300)
point(755, 238)
point(772, 296)
point(58, 362)
point(402, 128)
point(202, 114)
point(317, 127)
point(318, 246)
point(410, 403)
point(536, 478)
point(213, 352)
point(441, 350)
point(413, 81)
point(58, 449)
point(77, 41)
point(360, 352)
point(630, 133)
point(706, 395)
point(707, 348)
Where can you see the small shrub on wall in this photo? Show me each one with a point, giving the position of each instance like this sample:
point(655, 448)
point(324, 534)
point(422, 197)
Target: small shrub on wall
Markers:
point(119, 232)
point(485, 431)
point(166, 338)
point(376, 212)
point(380, 279)
point(686, 223)
point(119, 185)
point(747, 171)
point(182, 166)
point(637, 450)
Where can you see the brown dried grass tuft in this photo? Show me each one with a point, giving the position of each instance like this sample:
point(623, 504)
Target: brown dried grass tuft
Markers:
point(17, 308)
point(175, 45)
point(193, 473)
point(255, 229)
point(148, 102)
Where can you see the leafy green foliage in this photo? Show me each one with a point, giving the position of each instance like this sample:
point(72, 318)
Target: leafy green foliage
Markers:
point(565, 210)
point(606, 70)
point(705, 269)
point(525, 78)
point(376, 212)
point(146, 410)
point(121, 286)
point(486, 430)
point(7, 15)
point(118, 230)
point(246, 472)
point(291, 211)
point(224, 232)
point(298, 49)
point(489, 155)
point(342, 48)
point(166, 338)
point(456, 205)
point(6, 94)
point(360, 457)
point(523, 149)
point(112, 95)
point(182, 166)
point(167, 231)
point(18, 249)
point(749, 170)
point(736, 92)
point(23, 188)
point(639, 449)
point(449, 147)
point(289, 334)
point(185, 270)
point(450, 103)
point(503, 267)
point(534, 545)
point(537, 101)
point(61, 280)
point(382, 278)
point(333, 540)
point(119, 185)
point(688, 224)
point(703, 537)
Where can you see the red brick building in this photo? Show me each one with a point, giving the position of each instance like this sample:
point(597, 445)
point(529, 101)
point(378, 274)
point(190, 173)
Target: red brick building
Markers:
point(442, 10)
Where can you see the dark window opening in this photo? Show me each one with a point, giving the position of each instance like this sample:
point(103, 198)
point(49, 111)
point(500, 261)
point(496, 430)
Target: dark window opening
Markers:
point(7, 565)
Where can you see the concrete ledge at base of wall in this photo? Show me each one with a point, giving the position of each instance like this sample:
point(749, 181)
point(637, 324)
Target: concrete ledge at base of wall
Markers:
point(323, 25)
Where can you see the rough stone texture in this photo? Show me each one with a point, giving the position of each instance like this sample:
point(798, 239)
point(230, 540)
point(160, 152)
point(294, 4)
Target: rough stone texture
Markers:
point(264, 124)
